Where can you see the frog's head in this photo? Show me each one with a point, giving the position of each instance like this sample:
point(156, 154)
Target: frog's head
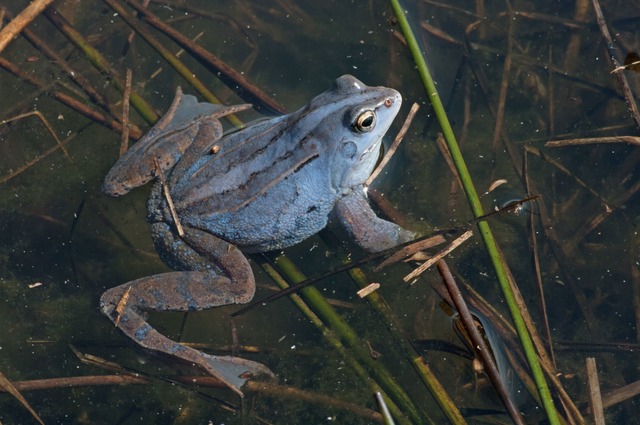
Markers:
point(354, 119)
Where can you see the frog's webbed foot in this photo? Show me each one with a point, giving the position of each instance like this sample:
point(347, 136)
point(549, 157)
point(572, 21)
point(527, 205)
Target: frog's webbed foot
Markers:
point(367, 229)
point(178, 291)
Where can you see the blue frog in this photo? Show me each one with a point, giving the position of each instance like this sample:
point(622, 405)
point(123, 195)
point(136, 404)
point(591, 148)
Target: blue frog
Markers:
point(265, 187)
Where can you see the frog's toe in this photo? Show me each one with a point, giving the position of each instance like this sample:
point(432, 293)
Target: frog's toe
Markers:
point(234, 371)
point(405, 236)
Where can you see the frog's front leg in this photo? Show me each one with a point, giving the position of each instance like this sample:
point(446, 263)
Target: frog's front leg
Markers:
point(187, 291)
point(367, 229)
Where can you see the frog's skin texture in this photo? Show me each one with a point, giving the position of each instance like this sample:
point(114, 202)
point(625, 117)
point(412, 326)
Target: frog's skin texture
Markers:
point(267, 186)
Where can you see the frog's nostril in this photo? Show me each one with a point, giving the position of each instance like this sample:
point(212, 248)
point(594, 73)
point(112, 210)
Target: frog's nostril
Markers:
point(388, 102)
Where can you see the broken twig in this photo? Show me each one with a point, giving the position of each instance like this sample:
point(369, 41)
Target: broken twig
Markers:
point(394, 145)
point(124, 140)
point(622, 79)
point(595, 399)
point(167, 196)
point(430, 262)
point(633, 140)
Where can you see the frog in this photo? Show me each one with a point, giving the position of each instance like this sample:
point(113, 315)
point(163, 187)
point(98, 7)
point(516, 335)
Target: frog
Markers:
point(265, 187)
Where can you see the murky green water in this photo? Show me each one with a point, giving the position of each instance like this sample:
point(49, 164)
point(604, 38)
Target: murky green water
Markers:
point(60, 232)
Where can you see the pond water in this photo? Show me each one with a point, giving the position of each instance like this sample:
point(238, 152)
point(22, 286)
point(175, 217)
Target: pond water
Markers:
point(542, 73)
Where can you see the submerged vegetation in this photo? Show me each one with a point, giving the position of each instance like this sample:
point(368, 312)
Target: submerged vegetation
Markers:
point(527, 202)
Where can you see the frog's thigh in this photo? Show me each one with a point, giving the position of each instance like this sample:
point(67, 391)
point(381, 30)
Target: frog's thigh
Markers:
point(227, 257)
point(368, 230)
point(200, 250)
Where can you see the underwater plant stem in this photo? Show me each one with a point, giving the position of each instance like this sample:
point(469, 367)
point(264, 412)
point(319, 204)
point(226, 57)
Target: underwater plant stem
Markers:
point(176, 63)
point(347, 335)
point(423, 370)
point(100, 62)
point(622, 79)
point(476, 207)
point(13, 28)
point(249, 92)
point(65, 99)
point(76, 76)
point(335, 342)
point(481, 347)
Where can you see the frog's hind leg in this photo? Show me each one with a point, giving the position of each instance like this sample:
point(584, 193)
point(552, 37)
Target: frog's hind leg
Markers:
point(164, 144)
point(177, 291)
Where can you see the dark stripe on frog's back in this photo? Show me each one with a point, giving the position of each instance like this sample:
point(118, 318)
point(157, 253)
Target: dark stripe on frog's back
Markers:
point(286, 165)
point(237, 141)
point(214, 198)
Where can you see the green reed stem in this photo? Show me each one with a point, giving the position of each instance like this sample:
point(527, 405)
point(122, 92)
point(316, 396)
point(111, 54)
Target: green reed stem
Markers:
point(334, 341)
point(346, 334)
point(423, 370)
point(476, 208)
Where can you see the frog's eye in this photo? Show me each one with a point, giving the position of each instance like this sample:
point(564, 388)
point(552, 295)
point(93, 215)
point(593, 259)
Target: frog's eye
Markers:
point(365, 122)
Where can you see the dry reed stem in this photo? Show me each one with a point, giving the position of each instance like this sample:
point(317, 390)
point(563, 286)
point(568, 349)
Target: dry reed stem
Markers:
point(572, 52)
point(595, 399)
point(35, 160)
point(504, 88)
point(444, 150)
point(480, 345)
point(633, 140)
point(270, 390)
point(167, 196)
point(122, 303)
point(551, 104)
point(178, 54)
point(564, 259)
point(75, 76)
point(483, 83)
point(409, 250)
point(565, 170)
point(13, 28)
point(439, 33)
point(46, 124)
point(448, 249)
point(624, 393)
point(67, 100)
point(98, 61)
point(622, 78)
point(535, 260)
point(508, 333)
point(367, 290)
point(570, 408)
point(132, 33)
point(124, 140)
point(8, 386)
point(394, 145)
point(250, 92)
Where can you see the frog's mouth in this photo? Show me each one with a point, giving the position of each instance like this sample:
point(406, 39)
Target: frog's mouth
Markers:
point(370, 149)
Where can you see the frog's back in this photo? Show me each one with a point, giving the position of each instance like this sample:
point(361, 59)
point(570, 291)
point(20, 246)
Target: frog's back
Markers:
point(247, 164)
point(264, 190)
point(274, 184)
